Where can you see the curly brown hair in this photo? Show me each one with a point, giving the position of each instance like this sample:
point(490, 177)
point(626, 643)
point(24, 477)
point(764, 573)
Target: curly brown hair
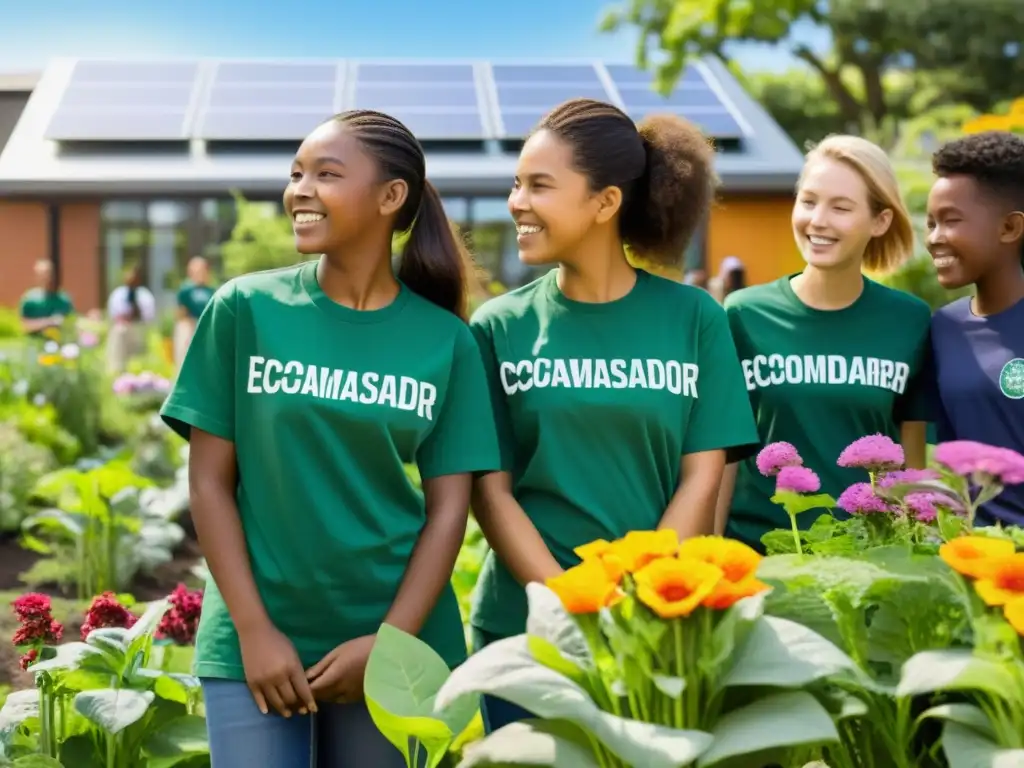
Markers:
point(994, 159)
point(664, 167)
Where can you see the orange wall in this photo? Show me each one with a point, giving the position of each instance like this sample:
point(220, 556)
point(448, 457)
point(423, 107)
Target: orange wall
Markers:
point(757, 230)
point(24, 239)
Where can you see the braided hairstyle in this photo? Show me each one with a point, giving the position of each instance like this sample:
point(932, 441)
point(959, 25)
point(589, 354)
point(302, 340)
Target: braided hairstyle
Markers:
point(664, 167)
point(434, 261)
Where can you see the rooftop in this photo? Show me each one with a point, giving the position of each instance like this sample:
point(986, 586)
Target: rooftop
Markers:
point(201, 126)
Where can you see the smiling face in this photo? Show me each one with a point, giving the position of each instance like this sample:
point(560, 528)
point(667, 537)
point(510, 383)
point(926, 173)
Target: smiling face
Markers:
point(335, 194)
point(832, 217)
point(969, 231)
point(552, 204)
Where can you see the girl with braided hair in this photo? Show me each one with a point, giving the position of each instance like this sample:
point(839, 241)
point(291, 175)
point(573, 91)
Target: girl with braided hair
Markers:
point(304, 393)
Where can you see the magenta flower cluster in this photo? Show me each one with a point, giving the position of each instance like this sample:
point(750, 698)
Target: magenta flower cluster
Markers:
point(797, 480)
point(774, 456)
point(972, 459)
point(145, 382)
point(874, 453)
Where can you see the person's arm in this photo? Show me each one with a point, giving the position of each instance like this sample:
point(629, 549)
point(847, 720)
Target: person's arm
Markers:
point(503, 521)
point(725, 491)
point(433, 558)
point(692, 510)
point(147, 305)
point(34, 325)
point(719, 429)
point(510, 532)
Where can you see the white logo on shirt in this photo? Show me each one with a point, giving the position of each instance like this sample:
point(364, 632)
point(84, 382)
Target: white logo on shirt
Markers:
point(586, 373)
point(763, 371)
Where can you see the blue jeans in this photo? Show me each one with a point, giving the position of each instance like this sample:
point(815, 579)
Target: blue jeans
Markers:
point(337, 736)
point(496, 713)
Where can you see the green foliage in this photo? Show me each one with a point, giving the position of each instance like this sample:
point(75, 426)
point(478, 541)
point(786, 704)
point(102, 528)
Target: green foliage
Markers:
point(260, 240)
point(22, 463)
point(10, 323)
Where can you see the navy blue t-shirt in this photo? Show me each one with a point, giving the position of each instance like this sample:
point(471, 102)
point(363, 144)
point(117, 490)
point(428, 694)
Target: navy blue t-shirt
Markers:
point(979, 378)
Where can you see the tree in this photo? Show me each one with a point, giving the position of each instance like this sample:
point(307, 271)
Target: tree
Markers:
point(260, 240)
point(975, 43)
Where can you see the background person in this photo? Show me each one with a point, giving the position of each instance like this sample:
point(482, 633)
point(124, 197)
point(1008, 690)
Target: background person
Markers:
point(193, 296)
point(46, 305)
point(830, 356)
point(130, 308)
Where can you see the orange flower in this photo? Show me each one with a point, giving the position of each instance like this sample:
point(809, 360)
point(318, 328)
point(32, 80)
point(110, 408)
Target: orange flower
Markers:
point(603, 552)
point(593, 550)
point(738, 563)
point(973, 555)
point(1014, 613)
point(638, 548)
point(49, 359)
point(674, 588)
point(1003, 581)
point(586, 588)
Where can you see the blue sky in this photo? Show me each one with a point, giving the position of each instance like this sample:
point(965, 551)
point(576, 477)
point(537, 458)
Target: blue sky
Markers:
point(320, 28)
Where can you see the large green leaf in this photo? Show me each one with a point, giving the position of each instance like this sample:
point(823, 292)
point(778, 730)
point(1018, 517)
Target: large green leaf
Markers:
point(176, 741)
point(403, 676)
point(548, 620)
point(142, 630)
point(798, 503)
point(506, 669)
point(964, 747)
point(963, 714)
point(113, 709)
point(780, 721)
point(532, 743)
point(68, 656)
point(783, 654)
point(954, 669)
point(18, 707)
point(36, 761)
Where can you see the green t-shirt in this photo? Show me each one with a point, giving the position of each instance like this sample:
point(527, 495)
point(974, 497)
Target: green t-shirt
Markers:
point(194, 298)
point(820, 379)
point(325, 405)
point(596, 404)
point(37, 304)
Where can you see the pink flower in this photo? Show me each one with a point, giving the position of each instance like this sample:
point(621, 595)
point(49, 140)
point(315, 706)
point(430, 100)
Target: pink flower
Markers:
point(88, 339)
point(28, 658)
point(906, 477)
point(32, 606)
point(105, 611)
point(797, 480)
point(924, 506)
point(860, 499)
point(775, 456)
point(875, 453)
point(969, 458)
point(182, 619)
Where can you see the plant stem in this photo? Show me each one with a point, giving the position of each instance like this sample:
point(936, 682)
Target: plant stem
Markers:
point(677, 630)
point(796, 533)
point(415, 757)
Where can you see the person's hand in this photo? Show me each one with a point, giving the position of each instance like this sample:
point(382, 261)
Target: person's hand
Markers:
point(338, 676)
point(274, 672)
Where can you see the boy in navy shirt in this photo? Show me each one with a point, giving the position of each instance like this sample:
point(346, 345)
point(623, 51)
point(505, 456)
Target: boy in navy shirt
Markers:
point(976, 236)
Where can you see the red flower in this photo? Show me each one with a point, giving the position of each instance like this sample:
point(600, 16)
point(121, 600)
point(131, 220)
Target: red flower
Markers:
point(105, 611)
point(32, 606)
point(182, 619)
point(28, 658)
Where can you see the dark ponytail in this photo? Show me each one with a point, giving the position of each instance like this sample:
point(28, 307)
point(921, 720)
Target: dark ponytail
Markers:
point(664, 167)
point(434, 261)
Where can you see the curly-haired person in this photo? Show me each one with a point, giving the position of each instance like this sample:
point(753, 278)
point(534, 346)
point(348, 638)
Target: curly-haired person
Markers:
point(616, 393)
point(976, 237)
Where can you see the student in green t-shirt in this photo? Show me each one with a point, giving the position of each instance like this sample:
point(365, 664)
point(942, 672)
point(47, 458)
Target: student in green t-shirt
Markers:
point(616, 393)
point(829, 355)
point(45, 306)
point(193, 296)
point(305, 393)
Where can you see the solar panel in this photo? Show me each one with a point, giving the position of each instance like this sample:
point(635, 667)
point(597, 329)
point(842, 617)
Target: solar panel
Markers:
point(443, 125)
point(259, 125)
point(134, 72)
point(519, 124)
point(626, 75)
point(119, 125)
point(292, 73)
point(547, 96)
point(718, 125)
point(285, 97)
point(96, 97)
point(415, 73)
point(533, 74)
point(644, 98)
point(385, 97)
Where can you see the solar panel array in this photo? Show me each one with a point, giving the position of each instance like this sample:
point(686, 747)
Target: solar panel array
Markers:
point(284, 101)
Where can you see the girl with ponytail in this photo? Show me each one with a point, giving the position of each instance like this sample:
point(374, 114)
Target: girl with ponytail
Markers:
point(616, 393)
point(304, 393)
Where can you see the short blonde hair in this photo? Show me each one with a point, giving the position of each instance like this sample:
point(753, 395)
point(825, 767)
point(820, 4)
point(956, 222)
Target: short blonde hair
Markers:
point(886, 252)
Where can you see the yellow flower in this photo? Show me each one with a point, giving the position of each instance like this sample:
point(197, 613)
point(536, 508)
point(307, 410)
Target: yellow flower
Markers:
point(601, 551)
point(1003, 581)
point(739, 568)
point(973, 555)
point(49, 359)
point(52, 333)
point(1014, 613)
point(638, 548)
point(592, 550)
point(585, 588)
point(674, 588)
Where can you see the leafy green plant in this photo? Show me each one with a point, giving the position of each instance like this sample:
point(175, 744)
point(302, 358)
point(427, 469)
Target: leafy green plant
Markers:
point(98, 704)
point(101, 524)
point(21, 465)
